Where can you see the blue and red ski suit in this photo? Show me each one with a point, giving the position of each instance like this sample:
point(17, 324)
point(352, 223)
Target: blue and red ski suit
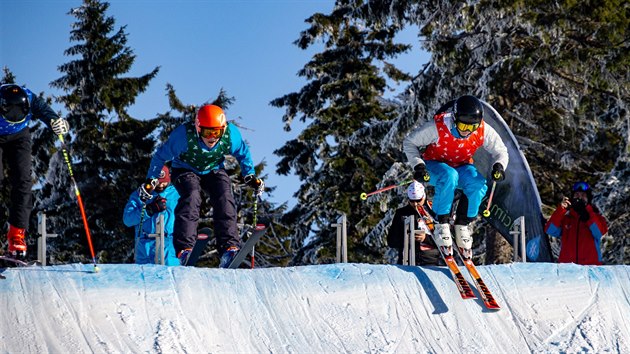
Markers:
point(581, 240)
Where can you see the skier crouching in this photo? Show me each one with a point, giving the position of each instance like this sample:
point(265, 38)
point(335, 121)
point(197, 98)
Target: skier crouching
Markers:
point(440, 152)
point(197, 151)
point(18, 106)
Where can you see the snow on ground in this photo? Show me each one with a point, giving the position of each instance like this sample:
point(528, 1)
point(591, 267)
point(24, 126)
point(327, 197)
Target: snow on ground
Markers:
point(340, 308)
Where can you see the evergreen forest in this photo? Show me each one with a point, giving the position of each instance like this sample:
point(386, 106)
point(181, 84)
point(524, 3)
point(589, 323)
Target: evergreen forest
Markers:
point(557, 73)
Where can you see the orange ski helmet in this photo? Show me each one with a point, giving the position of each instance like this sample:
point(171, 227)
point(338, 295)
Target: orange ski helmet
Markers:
point(210, 116)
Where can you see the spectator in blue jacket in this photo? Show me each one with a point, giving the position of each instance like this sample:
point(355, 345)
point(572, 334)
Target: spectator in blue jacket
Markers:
point(18, 106)
point(163, 200)
point(197, 151)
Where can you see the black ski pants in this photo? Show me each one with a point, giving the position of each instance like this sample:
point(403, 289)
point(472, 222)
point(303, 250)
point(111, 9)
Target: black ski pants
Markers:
point(16, 150)
point(218, 187)
point(423, 258)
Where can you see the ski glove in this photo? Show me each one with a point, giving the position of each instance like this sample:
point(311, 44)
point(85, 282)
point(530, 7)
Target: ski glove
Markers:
point(498, 174)
point(60, 126)
point(147, 188)
point(256, 183)
point(156, 206)
point(420, 173)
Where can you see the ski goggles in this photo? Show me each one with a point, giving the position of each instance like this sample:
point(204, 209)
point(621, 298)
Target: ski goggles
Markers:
point(466, 127)
point(209, 133)
point(581, 186)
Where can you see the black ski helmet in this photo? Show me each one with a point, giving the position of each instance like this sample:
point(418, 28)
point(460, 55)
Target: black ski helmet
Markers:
point(14, 105)
point(468, 109)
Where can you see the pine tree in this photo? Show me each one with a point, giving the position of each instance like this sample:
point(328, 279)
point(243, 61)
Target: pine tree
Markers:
point(109, 149)
point(331, 156)
point(558, 75)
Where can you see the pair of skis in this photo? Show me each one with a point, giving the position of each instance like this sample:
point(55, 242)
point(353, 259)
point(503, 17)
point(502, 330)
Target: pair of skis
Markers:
point(464, 288)
point(17, 262)
point(204, 237)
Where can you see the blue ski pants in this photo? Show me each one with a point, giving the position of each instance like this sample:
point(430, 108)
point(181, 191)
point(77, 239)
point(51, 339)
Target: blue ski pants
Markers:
point(447, 179)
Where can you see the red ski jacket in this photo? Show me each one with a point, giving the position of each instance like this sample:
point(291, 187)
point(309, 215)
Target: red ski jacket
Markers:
point(453, 151)
point(581, 240)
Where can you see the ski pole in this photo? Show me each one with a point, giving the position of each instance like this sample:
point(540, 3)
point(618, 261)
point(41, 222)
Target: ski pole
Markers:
point(66, 157)
point(486, 212)
point(139, 233)
point(364, 195)
point(254, 222)
point(144, 208)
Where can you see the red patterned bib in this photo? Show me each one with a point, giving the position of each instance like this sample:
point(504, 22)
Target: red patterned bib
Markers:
point(453, 151)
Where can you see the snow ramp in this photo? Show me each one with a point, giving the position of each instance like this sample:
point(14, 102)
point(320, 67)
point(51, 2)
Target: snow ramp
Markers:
point(336, 308)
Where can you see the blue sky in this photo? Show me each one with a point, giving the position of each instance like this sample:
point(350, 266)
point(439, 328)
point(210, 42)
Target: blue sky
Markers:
point(245, 47)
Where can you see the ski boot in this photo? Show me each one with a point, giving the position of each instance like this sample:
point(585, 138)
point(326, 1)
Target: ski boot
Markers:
point(183, 256)
point(443, 238)
point(464, 241)
point(17, 245)
point(228, 256)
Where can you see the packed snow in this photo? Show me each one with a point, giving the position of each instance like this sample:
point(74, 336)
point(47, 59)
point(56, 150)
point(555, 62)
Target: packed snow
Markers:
point(340, 308)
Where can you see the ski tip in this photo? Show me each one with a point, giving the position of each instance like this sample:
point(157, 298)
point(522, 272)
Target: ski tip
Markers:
point(264, 221)
point(491, 304)
point(204, 233)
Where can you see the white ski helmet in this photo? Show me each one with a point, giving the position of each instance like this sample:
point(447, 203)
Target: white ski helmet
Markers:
point(415, 191)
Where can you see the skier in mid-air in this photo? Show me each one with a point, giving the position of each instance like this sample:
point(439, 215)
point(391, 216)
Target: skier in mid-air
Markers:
point(197, 151)
point(18, 106)
point(440, 152)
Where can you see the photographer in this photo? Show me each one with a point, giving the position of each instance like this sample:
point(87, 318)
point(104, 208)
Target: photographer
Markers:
point(426, 250)
point(580, 227)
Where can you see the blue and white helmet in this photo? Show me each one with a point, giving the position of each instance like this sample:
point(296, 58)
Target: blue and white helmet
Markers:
point(415, 191)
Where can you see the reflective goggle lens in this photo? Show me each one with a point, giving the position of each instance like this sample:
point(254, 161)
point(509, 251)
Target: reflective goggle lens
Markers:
point(211, 132)
point(467, 127)
point(581, 186)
